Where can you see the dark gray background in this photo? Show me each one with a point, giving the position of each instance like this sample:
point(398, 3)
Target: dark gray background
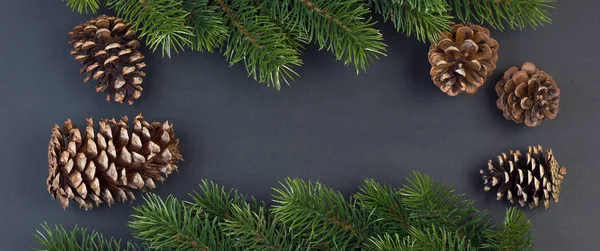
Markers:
point(330, 125)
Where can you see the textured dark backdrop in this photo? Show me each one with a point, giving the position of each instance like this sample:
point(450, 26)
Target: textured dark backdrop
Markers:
point(330, 125)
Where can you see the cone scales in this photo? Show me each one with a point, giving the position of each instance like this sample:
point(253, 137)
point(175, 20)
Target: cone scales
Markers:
point(528, 179)
point(92, 167)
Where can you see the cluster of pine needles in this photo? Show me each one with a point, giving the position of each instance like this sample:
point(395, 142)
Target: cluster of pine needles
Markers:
point(421, 215)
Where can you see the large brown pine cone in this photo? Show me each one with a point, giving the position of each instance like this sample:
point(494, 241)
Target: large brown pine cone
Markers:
point(525, 179)
point(107, 48)
point(94, 167)
point(462, 59)
point(527, 95)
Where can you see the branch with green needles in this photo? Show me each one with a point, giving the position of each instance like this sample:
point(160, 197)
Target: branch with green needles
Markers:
point(421, 215)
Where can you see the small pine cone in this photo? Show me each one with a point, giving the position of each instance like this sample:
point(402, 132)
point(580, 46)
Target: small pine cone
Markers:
point(107, 48)
point(526, 179)
point(527, 95)
point(462, 59)
point(93, 167)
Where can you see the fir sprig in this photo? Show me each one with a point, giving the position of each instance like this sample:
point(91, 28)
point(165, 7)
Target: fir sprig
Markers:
point(422, 215)
point(58, 239)
point(386, 205)
point(338, 26)
point(169, 225)
point(84, 6)
point(320, 215)
point(208, 27)
point(425, 19)
point(161, 22)
point(513, 234)
point(260, 43)
point(497, 13)
point(434, 203)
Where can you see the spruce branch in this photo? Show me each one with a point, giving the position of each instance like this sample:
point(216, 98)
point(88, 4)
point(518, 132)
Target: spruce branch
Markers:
point(339, 26)
point(254, 230)
point(321, 215)
point(169, 225)
point(389, 242)
point(217, 202)
point(260, 43)
point(385, 203)
point(514, 234)
point(243, 220)
point(496, 13)
point(84, 6)
point(163, 23)
point(59, 239)
point(435, 204)
point(433, 238)
point(426, 239)
point(209, 31)
point(425, 19)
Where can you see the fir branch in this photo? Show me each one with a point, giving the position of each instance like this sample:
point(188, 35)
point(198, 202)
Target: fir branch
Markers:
point(426, 239)
point(433, 238)
point(339, 26)
point(389, 242)
point(218, 203)
point(385, 203)
point(320, 215)
point(84, 6)
point(244, 220)
point(58, 239)
point(425, 19)
point(208, 27)
point(169, 225)
point(496, 13)
point(515, 234)
point(261, 44)
point(253, 230)
point(434, 204)
point(310, 216)
point(162, 22)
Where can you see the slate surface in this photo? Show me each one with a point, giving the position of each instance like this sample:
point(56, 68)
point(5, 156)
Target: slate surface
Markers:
point(330, 125)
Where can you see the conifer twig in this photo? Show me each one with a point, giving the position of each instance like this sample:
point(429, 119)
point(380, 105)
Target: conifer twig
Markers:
point(78, 238)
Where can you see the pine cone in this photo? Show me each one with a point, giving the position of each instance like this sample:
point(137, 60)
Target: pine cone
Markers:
point(527, 95)
point(462, 59)
point(107, 48)
point(92, 168)
point(526, 179)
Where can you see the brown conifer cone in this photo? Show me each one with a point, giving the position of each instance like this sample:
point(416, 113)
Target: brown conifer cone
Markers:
point(527, 179)
point(107, 48)
point(92, 167)
point(462, 59)
point(527, 95)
